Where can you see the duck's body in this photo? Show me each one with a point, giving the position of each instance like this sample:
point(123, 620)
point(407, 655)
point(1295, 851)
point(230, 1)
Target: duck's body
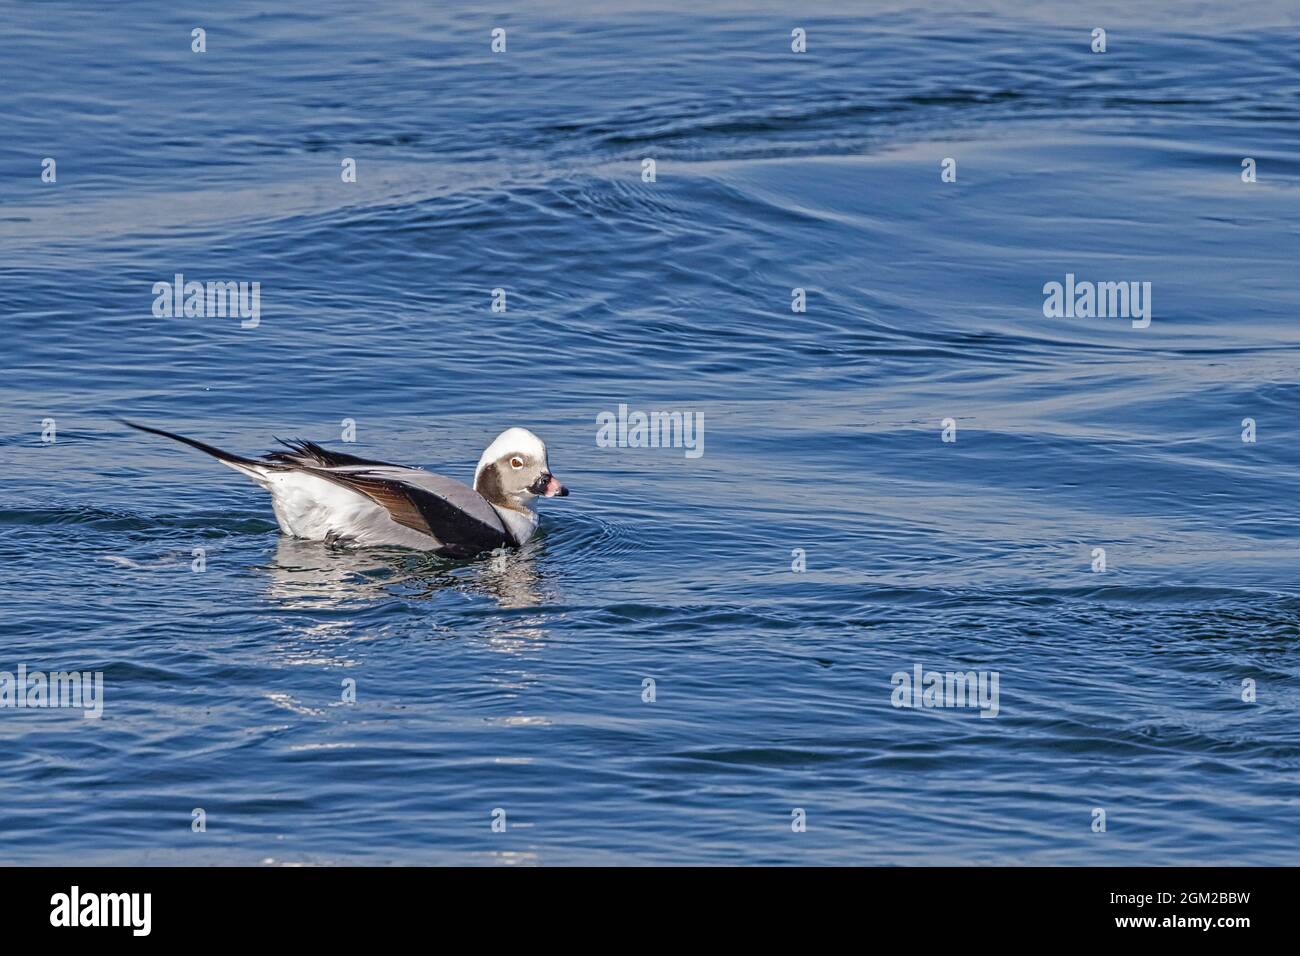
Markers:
point(328, 496)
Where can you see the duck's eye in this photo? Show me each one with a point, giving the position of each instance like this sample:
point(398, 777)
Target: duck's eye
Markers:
point(516, 462)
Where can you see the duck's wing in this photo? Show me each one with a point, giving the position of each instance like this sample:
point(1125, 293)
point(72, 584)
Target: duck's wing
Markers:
point(454, 513)
point(308, 454)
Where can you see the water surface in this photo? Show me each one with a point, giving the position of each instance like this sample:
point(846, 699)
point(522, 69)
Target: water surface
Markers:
point(518, 683)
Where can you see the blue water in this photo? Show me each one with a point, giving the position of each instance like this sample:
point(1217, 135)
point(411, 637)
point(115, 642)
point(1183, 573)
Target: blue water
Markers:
point(518, 684)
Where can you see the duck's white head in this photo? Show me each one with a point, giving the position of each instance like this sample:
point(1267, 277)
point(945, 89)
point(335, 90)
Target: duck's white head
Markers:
point(513, 471)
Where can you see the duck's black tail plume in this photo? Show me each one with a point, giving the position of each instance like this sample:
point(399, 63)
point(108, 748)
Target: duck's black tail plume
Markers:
point(201, 446)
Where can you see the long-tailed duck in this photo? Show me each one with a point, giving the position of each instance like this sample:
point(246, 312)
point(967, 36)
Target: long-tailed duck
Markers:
point(324, 495)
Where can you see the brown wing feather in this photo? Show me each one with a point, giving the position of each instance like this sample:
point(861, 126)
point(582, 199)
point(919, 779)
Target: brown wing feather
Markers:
point(391, 495)
point(428, 512)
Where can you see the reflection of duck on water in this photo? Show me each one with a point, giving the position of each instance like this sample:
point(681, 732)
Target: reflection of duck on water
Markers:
point(309, 572)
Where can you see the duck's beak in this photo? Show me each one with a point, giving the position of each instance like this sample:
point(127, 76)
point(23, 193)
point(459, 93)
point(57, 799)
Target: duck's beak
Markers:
point(548, 487)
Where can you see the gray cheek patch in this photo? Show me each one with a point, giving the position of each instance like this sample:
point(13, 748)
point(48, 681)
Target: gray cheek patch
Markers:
point(490, 485)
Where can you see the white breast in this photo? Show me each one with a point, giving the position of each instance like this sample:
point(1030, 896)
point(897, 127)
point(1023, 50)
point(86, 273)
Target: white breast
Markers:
point(520, 524)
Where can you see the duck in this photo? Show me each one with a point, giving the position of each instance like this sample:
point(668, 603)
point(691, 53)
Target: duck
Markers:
point(342, 499)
